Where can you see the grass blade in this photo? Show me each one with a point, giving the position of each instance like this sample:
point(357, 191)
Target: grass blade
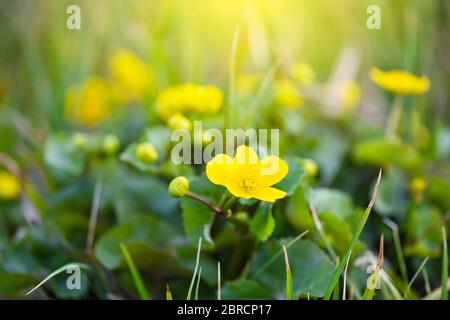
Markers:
point(289, 286)
point(219, 295)
point(375, 276)
point(422, 265)
point(444, 283)
point(58, 271)
point(168, 293)
point(198, 283)
point(398, 248)
point(199, 248)
point(344, 289)
point(140, 286)
point(341, 265)
point(321, 232)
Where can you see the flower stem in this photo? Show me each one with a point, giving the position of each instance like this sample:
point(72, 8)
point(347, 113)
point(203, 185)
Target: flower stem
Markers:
point(393, 121)
point(207, 203)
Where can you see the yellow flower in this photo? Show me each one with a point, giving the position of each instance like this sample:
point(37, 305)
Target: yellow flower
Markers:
point(178, 121)
point(400, 82)
point(188, 97)
point(287, 95)
point(303, 73)
point(134, 79)
point(247, 83)
point(208, 100)
point(9, 186)
point(246, 176)
point(350, 95)
point(88, 104)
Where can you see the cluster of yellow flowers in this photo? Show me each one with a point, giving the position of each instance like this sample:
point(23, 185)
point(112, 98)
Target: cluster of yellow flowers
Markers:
point(9, 186)
point(187, 98)
point(91, 102)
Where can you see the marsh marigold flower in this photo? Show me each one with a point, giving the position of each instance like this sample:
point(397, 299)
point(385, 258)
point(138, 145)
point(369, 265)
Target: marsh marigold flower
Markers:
point(9, 186)
point(287, 94)
point(89, 103)
point(400, 82)
point(187, 98)
point(350, 95)
point(246, 176)
point(303, 73)
point(134, 79)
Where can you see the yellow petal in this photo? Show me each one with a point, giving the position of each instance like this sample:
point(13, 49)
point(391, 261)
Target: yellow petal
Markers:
point(237, 191)
point(219, 170)
point(245, 155)
point(268, 194)
point(273, 170)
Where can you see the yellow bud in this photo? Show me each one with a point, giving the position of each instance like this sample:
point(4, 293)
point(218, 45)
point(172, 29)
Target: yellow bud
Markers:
point(9, 186)
point(146, 152)
point(79, 140)
point(310, 166)
point(417, 186)
point(110, 144)
point(207, 138)
point(178, 187)
point(178, 121)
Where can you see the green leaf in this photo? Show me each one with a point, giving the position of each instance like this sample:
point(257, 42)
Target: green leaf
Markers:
point(293, 178)
point(381, 152)
point(62, 160)
point(332, 201)
point(197, 217)
point(262, 223)
point(145, 236)
point(310, 266)
point(244, 289)
point(392, 197)
point(422, 231)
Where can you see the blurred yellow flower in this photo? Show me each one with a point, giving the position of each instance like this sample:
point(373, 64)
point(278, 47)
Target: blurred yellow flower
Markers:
point(303, 73)
point(178, 121)
point(9, 186)
point(188, 97)
point(88, 104)
point(133, 78)
point(246, 176)
point(417, 185)
point(400, 82)
point(287, 94)
point(247, 83)
point(350, 95)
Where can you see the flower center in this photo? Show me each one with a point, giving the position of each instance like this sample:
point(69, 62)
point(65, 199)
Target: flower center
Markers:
point(248, 183)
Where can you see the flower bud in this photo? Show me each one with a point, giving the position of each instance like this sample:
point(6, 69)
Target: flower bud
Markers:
point(146, 153)
point(9, 186)
point(178, 121)
point(79, 140)
point(417, 186)
point(110, 144)
point(310, 167)
point(242, 216)
point(178, 187)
